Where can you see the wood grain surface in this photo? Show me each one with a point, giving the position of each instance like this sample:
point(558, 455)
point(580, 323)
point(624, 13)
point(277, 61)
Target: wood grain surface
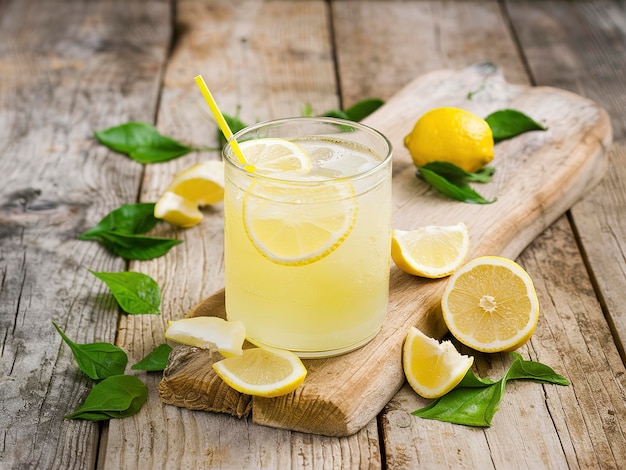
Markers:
point(539, 175)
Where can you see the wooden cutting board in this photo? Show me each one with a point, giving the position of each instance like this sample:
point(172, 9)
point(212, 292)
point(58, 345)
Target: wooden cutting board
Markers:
point(539, 175)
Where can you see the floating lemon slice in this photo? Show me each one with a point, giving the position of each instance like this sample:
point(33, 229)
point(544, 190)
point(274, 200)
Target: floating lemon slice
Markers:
point(262, 372)
point(298, 225)
point(490, 305)
point(274, 155)
point(177, 210)
point(208, 332)
point(432, 251)
point(432, 368)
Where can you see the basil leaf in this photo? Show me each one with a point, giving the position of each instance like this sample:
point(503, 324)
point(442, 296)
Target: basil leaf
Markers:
point(508, 123)
point(235, 125)
point(118, 396)
point(532, 370)
point(136, 293)
point(362, 109)
point(97, 360)
point(141, 142)
point(457, 175)
point(459, 192)
point(136, 247)
point(128, 218)
point(156, 360)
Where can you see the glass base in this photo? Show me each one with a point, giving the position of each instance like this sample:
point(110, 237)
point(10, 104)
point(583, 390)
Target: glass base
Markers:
point(308, 354)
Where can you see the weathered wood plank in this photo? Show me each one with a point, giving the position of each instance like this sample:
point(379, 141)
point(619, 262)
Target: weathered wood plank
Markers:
point(68, 68)
point(582, 47)
point(270, 58)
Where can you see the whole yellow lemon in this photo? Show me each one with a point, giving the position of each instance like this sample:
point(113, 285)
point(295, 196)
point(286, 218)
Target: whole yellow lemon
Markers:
point(451, 135)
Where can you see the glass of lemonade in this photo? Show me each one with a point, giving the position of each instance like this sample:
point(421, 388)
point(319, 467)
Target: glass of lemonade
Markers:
point(307, 245)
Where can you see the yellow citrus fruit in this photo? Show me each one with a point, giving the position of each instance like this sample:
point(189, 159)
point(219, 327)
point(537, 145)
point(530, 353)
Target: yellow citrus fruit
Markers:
point(431, 251)
point(275, 155)
point(490, 305)
point(451, 135)
point(298, 225)
point(208, 332)
point(202, 183)
point(432, 368)
point(264, 372)
point(177, 210)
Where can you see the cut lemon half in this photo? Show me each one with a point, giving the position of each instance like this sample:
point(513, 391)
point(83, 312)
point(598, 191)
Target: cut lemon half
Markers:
point(208, 332)
point(275, 155)
point(202, 183)
point(264, 372)
point(432, 251)
point(177, 210)
point(432, 368)
point(490, 305)
point(298, 225)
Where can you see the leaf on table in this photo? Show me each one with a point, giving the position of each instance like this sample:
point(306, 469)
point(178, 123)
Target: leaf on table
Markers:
point(460, 191)
point(508, 123)
point(137, 247)
point(136, 293)
point(156, 360)
point(118, 396)
point(142, 142)
point(97, 360)
point(128, 218)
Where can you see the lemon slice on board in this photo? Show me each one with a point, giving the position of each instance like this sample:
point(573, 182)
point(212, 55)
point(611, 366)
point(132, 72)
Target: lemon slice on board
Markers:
point(202, 183)
point(432, 251)
point(298, 225)
point(274, 155)
point(490, 305)
point(208, 332)
point(264, 372)
point(177, 210)
point(432, 368)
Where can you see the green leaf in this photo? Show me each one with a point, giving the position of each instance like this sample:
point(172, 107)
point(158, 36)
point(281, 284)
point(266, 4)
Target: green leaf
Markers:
point(128, 218)
point(142, 142)
point(136, 247)
point(97, 360)
point(362, 109)
point(508, 123)
point(136, 293)
point(459, 192)
point(235, 125)
point(307, 110)
point(118, 396)
point(459, 176)
point(535, 371)
point(156, 360)
point(337, 113)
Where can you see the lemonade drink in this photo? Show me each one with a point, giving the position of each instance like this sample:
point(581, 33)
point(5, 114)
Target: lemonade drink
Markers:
point(307, 251)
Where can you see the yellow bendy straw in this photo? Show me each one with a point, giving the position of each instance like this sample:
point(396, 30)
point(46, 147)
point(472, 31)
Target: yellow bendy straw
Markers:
point(219, 117)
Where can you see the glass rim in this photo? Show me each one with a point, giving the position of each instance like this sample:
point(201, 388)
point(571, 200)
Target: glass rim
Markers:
point(229, 157)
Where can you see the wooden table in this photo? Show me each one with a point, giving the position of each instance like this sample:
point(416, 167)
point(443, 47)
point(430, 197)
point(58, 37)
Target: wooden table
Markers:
point(69, 67)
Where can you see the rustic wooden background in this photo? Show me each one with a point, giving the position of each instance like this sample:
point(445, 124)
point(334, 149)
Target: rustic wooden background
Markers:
point(69, 67)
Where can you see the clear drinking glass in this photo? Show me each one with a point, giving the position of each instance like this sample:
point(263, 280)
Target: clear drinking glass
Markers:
point(307, 252)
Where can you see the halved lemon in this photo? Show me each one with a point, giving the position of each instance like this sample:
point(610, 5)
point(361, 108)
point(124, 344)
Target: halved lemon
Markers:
point(274, 155)
point(432, 251)
point(298, 225)
point(202, 183)
point(208, 332)
point(432, 368)
point(177, 210)
point(264, 372)
point(490, 304)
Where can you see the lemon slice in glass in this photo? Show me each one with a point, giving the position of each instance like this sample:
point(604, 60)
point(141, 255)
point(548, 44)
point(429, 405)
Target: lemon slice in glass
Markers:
point(264, 372)
point(490, 305)
point(432, 368)
point(274, 155)
point(208, 332)
point(177, 210)
point(298, 225)
point(432, 251)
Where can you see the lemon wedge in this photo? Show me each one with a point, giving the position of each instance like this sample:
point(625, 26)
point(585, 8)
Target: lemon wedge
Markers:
point(432, 368)
point(208, 332)
point(490, 305)
point(298, 225)
point(177, 210)
point(264, 372)
point(276, 155)
point(202, 183)
point(432, 251)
